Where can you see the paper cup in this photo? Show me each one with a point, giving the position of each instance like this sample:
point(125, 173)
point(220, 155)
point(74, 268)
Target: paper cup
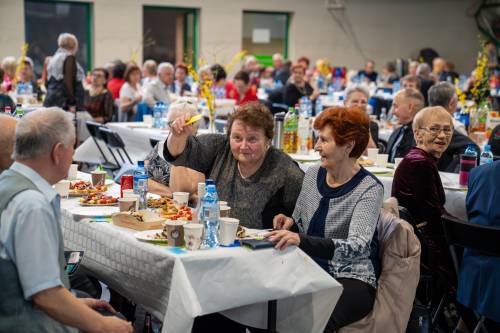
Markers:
point(227, 230)
point(372, 154)
point(181, 199)
point(224, 211)
point(132, 195)
point(62, 188)
point(128, 204)
point(381, 160)
point(98, 177)
point(174, 231)
point(72, 172)
point(223, 203)
point(147, 119)
point(193, 235)
point(397, 160)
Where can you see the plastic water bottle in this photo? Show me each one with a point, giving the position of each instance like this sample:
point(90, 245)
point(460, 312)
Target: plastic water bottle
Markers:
point(158, 115)
point(278, 84)
point(21, 89)
point(330, 90)
point(164, 114)
point(396, 86)
point(210, 217)
point(28, 89)
point(141, 184)
point(467, 163)
point(486, 156)
point(318, 108)
point(321, 82)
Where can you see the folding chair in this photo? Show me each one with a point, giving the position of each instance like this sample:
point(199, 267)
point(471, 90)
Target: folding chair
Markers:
point(96, 135)
point(482, 239)
point(114, 142)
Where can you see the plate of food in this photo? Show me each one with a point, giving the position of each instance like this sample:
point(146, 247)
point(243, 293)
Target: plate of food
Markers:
point(82, 187)
point(98, 199)
point(364, 161)
point(152, 236)
point(247, 233)
point(160, 202)
point(173, 213)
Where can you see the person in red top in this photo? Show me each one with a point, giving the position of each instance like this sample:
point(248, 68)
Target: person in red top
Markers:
point(242, 91)
point(116, 83)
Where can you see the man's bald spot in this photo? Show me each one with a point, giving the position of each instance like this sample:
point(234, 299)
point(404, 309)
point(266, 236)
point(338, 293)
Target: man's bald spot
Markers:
point(7, 137)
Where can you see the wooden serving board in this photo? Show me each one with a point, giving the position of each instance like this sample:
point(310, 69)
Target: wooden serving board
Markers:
point(129, 221)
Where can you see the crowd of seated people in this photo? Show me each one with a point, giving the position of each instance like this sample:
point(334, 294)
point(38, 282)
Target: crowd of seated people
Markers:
point(245, 165)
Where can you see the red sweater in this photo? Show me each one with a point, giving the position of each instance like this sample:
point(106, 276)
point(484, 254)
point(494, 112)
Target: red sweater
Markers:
point(250, 96)
point(114, 86)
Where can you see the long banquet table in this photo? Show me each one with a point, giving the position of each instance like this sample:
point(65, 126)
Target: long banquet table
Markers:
point(177, 285)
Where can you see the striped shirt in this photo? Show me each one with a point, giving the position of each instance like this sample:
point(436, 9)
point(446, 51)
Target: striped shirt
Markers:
point(348, 216)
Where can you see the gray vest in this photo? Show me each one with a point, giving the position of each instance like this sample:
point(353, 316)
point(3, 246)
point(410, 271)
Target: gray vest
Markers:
point(17, 314)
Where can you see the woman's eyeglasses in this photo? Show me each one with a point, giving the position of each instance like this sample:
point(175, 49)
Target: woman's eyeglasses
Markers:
point(448, 131)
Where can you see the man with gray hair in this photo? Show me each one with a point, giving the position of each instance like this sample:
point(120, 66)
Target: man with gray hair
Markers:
point(159, 89)
point(32, 262)
point(7, 130)
point(443, 94)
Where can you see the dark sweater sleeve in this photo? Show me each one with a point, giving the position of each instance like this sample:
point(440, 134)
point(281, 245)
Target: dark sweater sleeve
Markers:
point(108, 107)
point(317, 246)
point(69, 72)
point(200, 153)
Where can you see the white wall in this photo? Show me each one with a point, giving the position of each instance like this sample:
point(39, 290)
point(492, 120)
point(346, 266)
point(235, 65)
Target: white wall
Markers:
point(385, 29)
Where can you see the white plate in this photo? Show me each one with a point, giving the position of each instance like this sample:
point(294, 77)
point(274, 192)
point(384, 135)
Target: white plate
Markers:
point(83, 212)
point(454, 187)
point(378, 170)
point(305, 157)
point(148, 236)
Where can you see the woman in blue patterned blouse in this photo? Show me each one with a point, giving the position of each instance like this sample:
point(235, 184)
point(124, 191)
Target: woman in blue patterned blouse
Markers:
point(337, 212)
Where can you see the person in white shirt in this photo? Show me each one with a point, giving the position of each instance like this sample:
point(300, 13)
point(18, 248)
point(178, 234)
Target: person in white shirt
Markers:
point(32, 262)
point(159, 89)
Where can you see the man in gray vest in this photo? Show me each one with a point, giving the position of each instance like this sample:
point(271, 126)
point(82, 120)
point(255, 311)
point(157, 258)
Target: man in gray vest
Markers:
point(34, 296)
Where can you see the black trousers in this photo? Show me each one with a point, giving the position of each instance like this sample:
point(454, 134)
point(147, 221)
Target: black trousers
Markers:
point(354, 304)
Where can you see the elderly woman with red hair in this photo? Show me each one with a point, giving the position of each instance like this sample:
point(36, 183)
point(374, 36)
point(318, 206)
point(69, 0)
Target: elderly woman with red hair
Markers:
point(337, 212)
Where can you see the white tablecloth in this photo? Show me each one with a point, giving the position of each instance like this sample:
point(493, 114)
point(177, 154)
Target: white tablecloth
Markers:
point(177, 285)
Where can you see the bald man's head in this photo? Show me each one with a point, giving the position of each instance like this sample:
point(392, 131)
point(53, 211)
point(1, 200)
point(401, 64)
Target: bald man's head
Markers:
point(7, 135)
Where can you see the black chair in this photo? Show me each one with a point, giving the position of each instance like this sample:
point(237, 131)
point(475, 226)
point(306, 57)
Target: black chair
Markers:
point(153, 142)
point(481, 239)
point(114, 142)
point(96, 135)
point(427, 304)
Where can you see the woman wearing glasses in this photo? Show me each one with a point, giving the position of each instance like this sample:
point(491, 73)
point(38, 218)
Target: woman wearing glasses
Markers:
point(417, 184)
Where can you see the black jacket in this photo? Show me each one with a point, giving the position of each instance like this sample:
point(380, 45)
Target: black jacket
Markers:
point(407, 142)
point(450, 160)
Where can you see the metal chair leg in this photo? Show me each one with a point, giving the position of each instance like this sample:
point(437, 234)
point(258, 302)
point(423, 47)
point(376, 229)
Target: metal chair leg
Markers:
point(480, 326)
point(272, 310)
